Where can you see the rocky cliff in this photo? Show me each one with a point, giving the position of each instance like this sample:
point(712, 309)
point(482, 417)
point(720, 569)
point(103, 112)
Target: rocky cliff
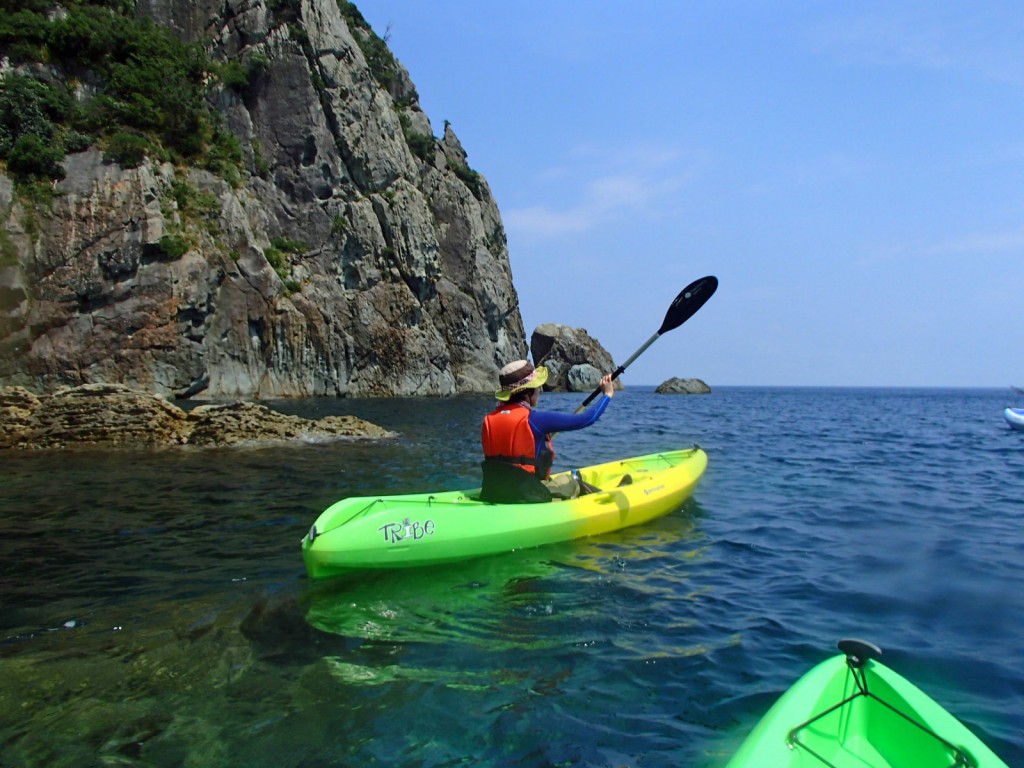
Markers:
point(575, 360)
point(356, 254)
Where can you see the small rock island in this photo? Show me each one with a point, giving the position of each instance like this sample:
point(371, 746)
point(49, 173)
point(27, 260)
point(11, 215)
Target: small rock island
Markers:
point(678, 386)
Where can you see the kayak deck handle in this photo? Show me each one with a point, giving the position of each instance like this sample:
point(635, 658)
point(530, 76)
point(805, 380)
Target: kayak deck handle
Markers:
point(859, 651)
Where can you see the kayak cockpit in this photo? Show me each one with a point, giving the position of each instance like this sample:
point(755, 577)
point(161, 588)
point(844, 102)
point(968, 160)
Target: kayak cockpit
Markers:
point(872, 724)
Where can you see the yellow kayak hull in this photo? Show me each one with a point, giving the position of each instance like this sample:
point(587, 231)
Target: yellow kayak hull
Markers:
point(414, 530)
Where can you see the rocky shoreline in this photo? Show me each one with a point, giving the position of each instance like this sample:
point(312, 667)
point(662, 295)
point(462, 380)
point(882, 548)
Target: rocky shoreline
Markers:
point(112, 415)
point(116, 416)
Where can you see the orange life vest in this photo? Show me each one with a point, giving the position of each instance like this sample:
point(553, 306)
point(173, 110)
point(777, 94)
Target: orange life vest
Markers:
point(507, 437)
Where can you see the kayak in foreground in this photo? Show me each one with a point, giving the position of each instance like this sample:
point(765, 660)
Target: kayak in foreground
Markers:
point(429, 528)
point(851, 711)
point(1014, 417)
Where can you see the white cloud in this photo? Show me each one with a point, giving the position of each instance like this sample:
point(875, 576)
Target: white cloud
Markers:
point(599, 189)
point(981, 40)
point(957, 249)
point(543, 222)
point(981, 243)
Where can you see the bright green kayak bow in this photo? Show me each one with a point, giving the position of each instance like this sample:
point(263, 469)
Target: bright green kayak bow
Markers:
point(852, 711)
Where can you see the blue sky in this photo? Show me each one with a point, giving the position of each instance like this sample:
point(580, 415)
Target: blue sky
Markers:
point(853, 173)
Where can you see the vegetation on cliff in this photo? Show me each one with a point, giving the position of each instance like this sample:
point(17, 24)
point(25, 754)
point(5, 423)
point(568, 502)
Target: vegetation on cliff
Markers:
point(93, 73)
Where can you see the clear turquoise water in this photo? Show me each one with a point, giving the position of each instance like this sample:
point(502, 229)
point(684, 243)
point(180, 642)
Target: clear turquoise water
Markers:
point(155, 611)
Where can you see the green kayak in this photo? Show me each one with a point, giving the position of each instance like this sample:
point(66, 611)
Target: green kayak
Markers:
point(851, 711)
point(429, 528)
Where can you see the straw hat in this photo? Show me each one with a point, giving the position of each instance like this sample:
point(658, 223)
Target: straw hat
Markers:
point(520, 375)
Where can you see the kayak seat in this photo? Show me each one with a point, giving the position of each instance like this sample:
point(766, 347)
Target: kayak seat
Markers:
point(582, 486)
point(505, 483)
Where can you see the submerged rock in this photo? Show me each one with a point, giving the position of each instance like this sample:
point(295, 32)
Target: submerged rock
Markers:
point(115, 416)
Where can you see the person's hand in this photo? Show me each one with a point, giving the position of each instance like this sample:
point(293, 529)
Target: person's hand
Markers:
point(606, 385)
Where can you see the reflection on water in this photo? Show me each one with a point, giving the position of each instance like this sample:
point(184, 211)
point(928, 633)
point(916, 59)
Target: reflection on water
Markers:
point(155, 611)
point(518, 600)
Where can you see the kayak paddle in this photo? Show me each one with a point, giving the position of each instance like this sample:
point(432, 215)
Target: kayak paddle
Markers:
point(685, 305)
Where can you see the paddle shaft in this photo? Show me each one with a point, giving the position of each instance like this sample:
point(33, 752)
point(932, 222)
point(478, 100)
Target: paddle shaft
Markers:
point(683, 307)
point(621, 369)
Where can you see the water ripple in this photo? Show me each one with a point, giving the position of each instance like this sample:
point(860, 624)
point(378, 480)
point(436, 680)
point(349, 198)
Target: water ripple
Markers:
point(156, 612)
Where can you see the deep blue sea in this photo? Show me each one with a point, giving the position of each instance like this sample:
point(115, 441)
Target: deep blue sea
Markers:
point(154, 610)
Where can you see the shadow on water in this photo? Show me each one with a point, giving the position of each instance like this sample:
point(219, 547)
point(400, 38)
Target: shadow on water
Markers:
point(495, 602)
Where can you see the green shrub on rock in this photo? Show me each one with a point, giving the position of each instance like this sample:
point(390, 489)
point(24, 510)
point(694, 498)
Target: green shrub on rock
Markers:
point(143, 80)
point(31, 158)
point(127, 149)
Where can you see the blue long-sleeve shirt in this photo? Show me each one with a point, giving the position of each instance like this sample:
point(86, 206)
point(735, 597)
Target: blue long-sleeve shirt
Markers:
point(544, 423)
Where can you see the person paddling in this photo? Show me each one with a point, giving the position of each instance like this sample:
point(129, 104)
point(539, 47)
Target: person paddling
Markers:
point(516, 438)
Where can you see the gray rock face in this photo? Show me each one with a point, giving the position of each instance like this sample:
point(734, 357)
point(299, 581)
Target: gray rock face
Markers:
point(112, 415)
point(677, 386)
point(575, 360)
point(583, 378)
point(395, 279)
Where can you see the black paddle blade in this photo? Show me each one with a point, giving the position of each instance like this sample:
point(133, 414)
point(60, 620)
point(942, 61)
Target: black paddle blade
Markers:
point(689, 300)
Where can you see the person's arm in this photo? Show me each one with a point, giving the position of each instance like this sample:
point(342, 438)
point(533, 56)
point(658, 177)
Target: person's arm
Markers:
point(549, 422)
